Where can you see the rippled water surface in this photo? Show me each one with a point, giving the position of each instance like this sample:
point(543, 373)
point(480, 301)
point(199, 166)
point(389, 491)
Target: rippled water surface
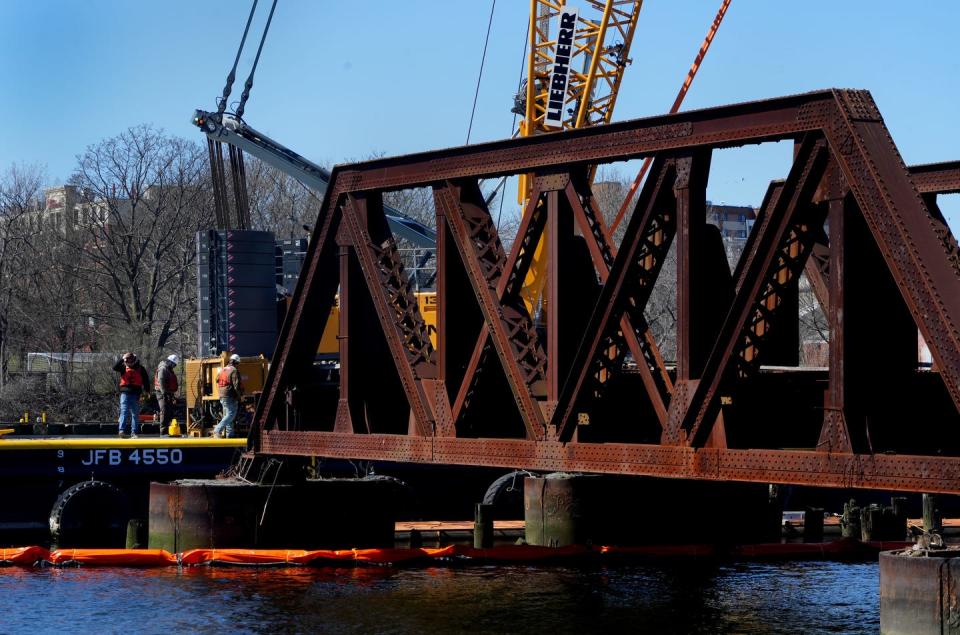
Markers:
point(689, 598)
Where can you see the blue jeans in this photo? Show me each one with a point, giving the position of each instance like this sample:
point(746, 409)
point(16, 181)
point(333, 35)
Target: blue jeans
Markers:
point(230, 408)
point(129, 412)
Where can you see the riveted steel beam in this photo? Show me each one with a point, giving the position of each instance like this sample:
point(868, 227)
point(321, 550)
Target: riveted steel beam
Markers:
point(777, 236)
point(393, 301)
point(633, 324)
point(518, 263)
point(630, 282)
point(930, 179)
point(920, 261)
point(511, 330)
point(909, 258)
point(934, 474)
point(936, 178)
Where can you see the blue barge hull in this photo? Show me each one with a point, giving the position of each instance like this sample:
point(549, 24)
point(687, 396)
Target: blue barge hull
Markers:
point(36, 471)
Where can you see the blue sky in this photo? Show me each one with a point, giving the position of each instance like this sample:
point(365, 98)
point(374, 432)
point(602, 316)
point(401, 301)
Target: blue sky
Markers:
point(341, 81)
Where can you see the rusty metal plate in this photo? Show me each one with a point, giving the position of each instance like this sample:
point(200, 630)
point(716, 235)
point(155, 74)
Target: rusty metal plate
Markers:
point(822, 469)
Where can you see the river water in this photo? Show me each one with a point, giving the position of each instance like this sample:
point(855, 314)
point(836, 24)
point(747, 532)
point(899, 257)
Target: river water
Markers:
point(699, 597)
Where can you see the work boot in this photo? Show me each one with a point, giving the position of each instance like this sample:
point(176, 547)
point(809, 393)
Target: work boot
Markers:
point(124, 435)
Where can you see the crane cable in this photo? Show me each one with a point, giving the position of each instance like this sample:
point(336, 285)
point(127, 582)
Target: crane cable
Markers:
point(219, 198)
point(483, 59)
point(222, 102)
point(237, 170)
point(249, 83)
point(676, 106)
point(513, 126)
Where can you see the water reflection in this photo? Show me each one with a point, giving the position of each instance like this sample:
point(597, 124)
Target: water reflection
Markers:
point(674, 598)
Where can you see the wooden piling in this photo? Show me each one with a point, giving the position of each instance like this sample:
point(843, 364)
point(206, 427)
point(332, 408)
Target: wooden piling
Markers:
point(136, 534)
point(850, 521)
point(932, 519)
point(813, 524)
point(416, 539)
point(870, 521)
point(483, 526)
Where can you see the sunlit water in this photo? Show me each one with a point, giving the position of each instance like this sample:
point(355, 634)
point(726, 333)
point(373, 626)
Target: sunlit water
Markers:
point(806, 597)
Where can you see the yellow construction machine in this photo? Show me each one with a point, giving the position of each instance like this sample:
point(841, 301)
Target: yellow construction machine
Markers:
point(203, 395)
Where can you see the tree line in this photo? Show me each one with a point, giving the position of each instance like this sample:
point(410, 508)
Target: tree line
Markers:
point(107, 263)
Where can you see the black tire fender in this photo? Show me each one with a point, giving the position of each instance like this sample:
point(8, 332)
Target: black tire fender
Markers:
point(504, 485)
point(90, 514)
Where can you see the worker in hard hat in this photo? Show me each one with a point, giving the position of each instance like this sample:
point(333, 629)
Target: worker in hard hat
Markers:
point(231, 390)
point(133, 382)
point(165, 388)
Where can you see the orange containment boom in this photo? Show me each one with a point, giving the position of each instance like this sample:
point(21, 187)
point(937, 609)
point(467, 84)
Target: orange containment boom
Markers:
point(31, 556)
point(113, 557)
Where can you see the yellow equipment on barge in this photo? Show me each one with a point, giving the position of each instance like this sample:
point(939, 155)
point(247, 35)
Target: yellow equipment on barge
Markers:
point(203, 395)
point(200, 375)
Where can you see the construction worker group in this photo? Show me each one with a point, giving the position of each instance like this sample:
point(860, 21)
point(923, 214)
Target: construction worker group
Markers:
point(134, 386)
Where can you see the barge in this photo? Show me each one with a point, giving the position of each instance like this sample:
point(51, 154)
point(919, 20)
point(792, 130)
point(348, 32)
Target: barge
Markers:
point(83, 490)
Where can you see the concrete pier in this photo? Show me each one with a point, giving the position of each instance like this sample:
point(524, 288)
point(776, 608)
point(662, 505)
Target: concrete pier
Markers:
point(920, 592)
point(567, 509)
point(561, 510)
point(315, 514)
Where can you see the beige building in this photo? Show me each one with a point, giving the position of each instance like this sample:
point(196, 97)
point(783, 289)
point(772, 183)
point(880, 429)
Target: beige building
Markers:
point(734, 221)
point(66, 209)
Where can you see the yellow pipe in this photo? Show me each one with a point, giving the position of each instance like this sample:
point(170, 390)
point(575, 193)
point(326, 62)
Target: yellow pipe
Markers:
point(94, 443)
point(594, 62)
point(618, 77)
point(526, 127)
point(531, 72)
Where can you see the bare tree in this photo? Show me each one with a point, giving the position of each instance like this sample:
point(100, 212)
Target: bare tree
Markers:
point(20, 202)
point(610, 187)
point(278, 202)
point(52, 305)
point(144, 196)
point(416, 203)
point(814, 327)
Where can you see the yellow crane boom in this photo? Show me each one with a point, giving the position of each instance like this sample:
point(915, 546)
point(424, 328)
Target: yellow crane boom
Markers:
point(602, 42)
point(596, 59)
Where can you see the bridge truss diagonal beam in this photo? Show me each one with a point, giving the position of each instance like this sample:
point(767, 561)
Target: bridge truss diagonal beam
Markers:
point(599, 397)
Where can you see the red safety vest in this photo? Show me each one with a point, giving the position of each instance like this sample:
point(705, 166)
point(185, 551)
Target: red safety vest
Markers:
point(224, 377)
point(131, 377)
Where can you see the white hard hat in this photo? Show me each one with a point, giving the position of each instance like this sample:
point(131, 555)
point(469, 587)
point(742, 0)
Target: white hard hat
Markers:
point(234, 358)
point(173, 359)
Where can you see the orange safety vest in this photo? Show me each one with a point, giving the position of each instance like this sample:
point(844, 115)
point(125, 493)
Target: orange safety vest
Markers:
point(131, 377)
point(224, 379)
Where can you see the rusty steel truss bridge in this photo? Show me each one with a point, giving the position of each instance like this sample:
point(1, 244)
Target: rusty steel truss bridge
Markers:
point(585, 387)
